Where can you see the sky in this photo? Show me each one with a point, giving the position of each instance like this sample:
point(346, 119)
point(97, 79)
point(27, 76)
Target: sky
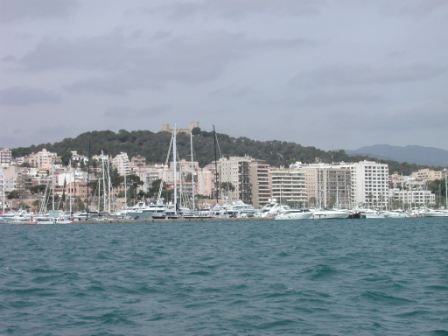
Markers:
point(326, 73)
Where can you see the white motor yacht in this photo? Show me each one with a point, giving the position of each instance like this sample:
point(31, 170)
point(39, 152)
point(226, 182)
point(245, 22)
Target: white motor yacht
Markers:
point(436, 213)
point(395, 214)
point(371, 214)
point(294, 214)
point(331, 214)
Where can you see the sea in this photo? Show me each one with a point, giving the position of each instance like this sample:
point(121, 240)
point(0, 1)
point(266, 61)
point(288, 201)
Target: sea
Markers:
point(309, 277)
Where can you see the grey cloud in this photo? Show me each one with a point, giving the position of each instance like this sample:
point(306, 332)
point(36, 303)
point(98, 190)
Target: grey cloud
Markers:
point(120, 112)
point(414, 8)
point(343, 75)
point(237, 9)
point(394, 120)
point(193, 59)
point(13, 10)
point(233, 91)
point(106, 53)
point(26, 96)
point(337, 98)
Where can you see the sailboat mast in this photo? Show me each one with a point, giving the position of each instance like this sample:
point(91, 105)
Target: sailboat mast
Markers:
point(104, 181)
point(125, 191)
point(193, 171)
point(109, 187)
point(216, 165)
point(446, 189)
point(175, 168)
point(52, 187)
point(72, 178)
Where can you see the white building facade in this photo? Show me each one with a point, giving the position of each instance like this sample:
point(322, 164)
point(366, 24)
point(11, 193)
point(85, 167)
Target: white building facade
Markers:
point(122, 164)
point(369, 184)
point(288, 186)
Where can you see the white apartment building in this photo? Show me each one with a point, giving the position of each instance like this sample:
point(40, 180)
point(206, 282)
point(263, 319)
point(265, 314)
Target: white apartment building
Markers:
point(5, 156)
point(369, 183)
point(412, 198)
point(288, 186)
point(122, 164)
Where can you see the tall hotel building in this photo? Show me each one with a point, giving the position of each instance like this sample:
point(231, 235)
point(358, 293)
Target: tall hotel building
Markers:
point(369, 183)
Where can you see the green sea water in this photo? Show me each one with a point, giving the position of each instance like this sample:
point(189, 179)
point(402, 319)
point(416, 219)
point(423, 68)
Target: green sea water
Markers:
point(341, 277)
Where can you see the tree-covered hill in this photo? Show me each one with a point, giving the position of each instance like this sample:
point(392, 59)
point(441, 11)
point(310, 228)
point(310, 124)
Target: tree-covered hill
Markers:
point(154, 147)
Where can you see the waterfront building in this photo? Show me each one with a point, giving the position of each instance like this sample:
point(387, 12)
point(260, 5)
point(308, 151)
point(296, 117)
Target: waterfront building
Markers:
point(327, 185)
point(234, 178)
point(42, 160)
point(260, 182)
point(5, 156)
point(289, 187)
point(369, 183)
point(409, 198)
point(121, 164)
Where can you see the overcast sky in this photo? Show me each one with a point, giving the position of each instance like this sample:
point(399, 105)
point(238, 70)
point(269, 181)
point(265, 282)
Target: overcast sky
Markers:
point(333, 74)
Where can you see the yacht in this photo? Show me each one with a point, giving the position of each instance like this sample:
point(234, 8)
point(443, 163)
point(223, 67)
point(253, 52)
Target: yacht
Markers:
point(331, 214)
point(294, 214)
point(371, 214)
point(436, 213)
point(16, 217)
point(143, 211)
point(395, 214)
point(272, 209)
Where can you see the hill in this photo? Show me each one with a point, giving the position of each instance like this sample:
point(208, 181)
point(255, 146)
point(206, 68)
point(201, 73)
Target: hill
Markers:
point(154, 146)
point(413, 154)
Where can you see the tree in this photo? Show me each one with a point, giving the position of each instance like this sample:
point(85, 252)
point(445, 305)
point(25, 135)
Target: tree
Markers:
point(13, 194)
point(227, 186)
point(38, 189)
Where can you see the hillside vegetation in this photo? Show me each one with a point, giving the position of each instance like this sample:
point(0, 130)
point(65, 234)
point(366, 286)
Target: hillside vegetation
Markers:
point(154, 147)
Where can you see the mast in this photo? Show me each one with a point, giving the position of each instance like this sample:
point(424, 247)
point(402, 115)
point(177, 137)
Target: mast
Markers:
point(104, 181)
point(72, 177)
point(109, 188)
point(193, 171)
point(125, 191)
point(88, 178)
point(159, 195)
point(446, 189)
point(99, 195)
point(52, 187)
point(175, 168)
point(216, 165)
